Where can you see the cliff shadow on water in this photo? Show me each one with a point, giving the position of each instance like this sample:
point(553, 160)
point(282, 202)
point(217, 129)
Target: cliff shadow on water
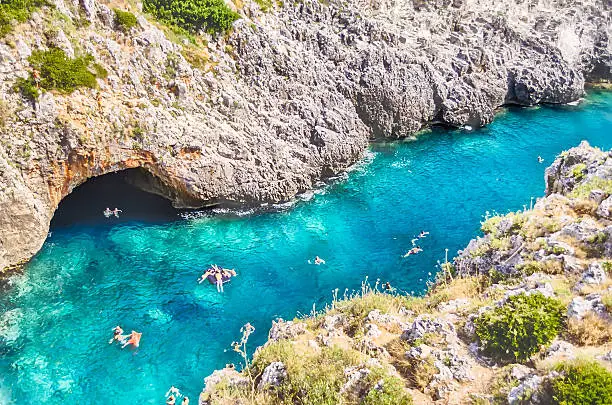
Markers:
point(85, 205)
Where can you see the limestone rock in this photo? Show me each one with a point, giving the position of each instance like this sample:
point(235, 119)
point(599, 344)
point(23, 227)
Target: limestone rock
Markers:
point(285, 330)
point(273, 375)
point(423, 324)
point(580, 307)
point(524, 390)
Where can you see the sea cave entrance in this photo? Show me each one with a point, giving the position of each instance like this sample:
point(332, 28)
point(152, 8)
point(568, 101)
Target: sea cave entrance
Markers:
point(124, 190)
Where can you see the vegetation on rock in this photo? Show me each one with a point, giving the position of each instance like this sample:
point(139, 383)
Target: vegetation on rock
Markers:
point(582, 383)
point(211, 16)
point(520, 327)
point(16, 10)
point(125, 20)
point(54, 70)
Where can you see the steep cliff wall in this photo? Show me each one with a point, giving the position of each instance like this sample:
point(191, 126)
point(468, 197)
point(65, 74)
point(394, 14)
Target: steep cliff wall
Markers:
point(288, 97)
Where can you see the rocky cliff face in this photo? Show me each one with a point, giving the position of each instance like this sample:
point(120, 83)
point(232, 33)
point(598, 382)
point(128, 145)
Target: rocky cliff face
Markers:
point(289, 97)
point(387, 347)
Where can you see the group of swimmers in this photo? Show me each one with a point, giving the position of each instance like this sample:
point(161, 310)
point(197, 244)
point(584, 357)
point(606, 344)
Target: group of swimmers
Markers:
point(416, 249)
point(108, 212)
point(125, 340)
point(173, 394)
point(219, 274)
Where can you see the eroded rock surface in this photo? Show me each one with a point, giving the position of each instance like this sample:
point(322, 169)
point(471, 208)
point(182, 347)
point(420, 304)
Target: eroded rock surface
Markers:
point(291, 96)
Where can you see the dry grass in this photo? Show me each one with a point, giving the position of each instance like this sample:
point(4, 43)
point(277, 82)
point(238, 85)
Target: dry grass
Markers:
point(591, 330)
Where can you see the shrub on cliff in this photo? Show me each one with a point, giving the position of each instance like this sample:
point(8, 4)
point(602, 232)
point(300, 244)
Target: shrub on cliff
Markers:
point(16, 10)
point(125, 20)
point(211, 16)
point(582, 383)
point(56, 71)
point(516, 330)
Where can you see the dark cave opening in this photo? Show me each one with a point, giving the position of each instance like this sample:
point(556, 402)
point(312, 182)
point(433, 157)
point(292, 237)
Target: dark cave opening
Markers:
point(85, 205)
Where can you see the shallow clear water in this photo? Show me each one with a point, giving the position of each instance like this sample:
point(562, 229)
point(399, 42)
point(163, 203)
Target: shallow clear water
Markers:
point(56, 318)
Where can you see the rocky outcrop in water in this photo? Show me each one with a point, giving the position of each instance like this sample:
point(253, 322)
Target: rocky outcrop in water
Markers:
point(289, 97)
point(389, 347)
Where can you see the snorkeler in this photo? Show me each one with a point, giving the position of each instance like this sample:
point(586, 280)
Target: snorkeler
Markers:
point(134, 339)
point(318, 260)
point(107, 212)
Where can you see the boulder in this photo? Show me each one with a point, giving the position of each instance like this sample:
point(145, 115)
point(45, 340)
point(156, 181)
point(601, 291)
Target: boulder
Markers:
point(273, 375)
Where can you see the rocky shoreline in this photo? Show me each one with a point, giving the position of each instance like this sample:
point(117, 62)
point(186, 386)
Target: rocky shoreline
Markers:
point(290, 96)
point(523, 315)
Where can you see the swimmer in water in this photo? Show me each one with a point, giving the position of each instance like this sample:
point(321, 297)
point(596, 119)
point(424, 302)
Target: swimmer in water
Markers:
point(107, 212)
point(318, 260)
point(185, 400)
point(203, 277)
point(171, 400)
point(219, 279)
point(540, 159)
point(423, 234)
point(415, 250)
point(118, 335)
point(413, 241)
point(173, 391)
point(116, 211)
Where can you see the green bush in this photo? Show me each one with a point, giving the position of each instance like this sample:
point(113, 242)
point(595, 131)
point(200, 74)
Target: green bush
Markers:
point(578, 171)
point(517, 329)
point(27, 88)
point(211, 16)
point(16, 10)
point(390, 392)
point(125, 20)
point(582, 383)
point(59, 72)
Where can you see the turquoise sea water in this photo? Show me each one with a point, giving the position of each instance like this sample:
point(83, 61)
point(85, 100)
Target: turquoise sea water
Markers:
point(56, 318)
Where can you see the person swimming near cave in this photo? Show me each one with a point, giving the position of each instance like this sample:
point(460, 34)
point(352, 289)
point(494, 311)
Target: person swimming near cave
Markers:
point(540, 159)
point(107, 212)
point(116, 211)
point(423, 234)
point(318, 260)
point(134, 339)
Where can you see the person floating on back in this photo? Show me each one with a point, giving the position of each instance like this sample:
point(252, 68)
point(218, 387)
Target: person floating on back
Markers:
point(318, 260)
